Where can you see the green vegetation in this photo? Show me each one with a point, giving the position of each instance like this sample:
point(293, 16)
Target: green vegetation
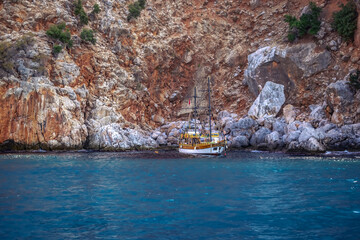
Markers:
point(79, 11)
point(87, 35)
point(354, 80)
point(78, 7)
point(61, 33)
point(135, 9)
point(57, 49)
point(344, 21)
point(291, 37)
point(5, 56)
point(8, 66)
point(24, 41)
point(84, 18)
point(142, 3)
point(9, 53)
point(9, 50)
point(96, 9)
point(308, 23)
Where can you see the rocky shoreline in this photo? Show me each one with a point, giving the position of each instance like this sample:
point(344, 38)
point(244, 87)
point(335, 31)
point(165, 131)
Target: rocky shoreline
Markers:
point(275, 134)
point(269, 134)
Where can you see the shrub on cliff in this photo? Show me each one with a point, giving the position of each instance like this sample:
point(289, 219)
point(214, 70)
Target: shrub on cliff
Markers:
point(142, 3)
point(354, 80)
point(96, 9)
point(79, 11)
point(5, 56)
point(308, 23)
point(24, 41)
point(135, 9)
point(84, 18)
point(87, 35)
point(344, 21)
point(61, 33)
point(57, 49)
point(8, 50)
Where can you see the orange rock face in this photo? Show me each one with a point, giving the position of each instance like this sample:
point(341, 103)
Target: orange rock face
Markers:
point(31, 120)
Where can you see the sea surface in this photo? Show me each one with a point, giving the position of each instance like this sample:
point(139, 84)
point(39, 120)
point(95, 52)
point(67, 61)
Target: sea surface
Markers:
point(148, 195)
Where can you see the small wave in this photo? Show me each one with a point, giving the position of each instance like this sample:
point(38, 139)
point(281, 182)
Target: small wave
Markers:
point(341, 153)
point(39, 151)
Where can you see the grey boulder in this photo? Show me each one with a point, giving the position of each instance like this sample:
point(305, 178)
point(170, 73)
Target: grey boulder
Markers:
point(240, 142)
point(307, 133)
point(245, 123)
point(273, 140)
point(259, 137)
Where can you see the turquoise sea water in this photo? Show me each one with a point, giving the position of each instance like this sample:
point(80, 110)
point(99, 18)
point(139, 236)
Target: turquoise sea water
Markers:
point(145, 195)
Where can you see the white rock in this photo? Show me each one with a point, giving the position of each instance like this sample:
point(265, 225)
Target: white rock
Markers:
point(269, 101)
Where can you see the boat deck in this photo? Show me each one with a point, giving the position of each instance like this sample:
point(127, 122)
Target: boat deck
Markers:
point(202, 145)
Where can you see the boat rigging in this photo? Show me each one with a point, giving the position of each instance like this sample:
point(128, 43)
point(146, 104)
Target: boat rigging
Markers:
point(195, 140)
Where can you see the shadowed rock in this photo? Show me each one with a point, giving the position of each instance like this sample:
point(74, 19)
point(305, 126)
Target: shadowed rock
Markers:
point(240, 142)
point(273, 140)
point(284, 65)
point(259, 137)
point(279, 126)
point(339, 98)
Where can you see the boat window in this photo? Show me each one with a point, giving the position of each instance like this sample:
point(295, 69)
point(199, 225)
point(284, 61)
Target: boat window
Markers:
point(214, 149)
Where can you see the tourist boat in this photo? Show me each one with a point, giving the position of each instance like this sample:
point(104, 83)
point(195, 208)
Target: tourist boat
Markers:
point(196, 139)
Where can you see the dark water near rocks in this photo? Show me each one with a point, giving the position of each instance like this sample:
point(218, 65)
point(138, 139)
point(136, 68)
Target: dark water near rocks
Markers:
point(166, 196)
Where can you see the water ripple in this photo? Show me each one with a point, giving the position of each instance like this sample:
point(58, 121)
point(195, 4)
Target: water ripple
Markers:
point(148, 195)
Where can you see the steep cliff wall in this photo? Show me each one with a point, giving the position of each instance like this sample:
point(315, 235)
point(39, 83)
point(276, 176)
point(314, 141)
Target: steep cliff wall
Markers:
point(140, 74)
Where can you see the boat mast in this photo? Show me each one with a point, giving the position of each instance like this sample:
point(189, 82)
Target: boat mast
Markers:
point(209, 107)
point(195, 109)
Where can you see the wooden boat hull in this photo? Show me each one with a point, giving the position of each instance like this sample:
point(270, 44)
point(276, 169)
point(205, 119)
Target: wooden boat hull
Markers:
point(205, 149)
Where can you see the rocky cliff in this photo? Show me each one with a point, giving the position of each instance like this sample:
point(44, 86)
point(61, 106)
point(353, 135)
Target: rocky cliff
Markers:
point(129, 89)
